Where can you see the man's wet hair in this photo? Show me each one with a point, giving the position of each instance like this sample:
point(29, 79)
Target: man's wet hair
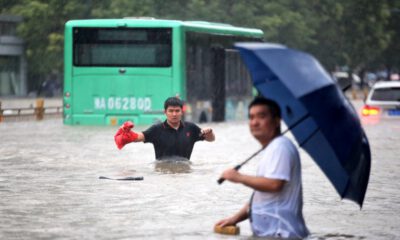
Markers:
point(173, 102)
point(273, 107)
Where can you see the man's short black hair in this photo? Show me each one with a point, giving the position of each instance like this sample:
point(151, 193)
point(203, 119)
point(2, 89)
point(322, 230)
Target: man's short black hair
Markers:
point(173, 102)
point(273, 107)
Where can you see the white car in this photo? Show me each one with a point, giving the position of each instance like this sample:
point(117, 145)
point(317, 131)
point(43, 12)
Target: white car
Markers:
point(383, 100)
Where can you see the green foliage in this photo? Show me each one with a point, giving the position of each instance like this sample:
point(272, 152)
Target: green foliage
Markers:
point(42, 30)
point(365, 23)
point(356, 33)
point(390, 56)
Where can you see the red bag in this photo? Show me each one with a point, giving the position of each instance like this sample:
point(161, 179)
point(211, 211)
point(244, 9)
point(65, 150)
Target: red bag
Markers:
point(124, 135)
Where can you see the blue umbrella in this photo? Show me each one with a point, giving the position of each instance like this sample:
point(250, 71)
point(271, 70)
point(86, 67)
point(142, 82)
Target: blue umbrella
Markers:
point(319, 116)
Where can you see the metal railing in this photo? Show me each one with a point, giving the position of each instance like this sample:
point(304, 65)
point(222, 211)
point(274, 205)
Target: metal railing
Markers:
point(39, 112)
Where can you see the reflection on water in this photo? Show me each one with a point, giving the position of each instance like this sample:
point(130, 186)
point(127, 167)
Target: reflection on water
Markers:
point(172, 166)
point(341, 236)
point(50, 186)
point(126, 172)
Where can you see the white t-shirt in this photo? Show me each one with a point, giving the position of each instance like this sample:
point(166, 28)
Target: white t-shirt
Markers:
point(279, 214)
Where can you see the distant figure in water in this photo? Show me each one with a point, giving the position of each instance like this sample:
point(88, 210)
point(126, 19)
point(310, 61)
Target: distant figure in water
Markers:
point(203, 117)
point(171, 138)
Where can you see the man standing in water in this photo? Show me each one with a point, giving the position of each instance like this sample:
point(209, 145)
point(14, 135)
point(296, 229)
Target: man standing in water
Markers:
point(275, 208)
point(171, 138)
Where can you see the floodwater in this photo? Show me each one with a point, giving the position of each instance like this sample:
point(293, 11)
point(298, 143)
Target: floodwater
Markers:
point(50, 186)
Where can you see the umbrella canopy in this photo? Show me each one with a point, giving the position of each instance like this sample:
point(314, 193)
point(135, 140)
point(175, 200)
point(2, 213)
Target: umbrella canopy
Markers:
point(320, 117)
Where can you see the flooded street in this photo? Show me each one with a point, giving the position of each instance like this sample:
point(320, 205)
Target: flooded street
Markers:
point(50, 186)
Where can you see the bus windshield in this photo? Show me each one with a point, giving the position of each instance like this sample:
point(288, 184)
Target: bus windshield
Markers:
point(122, 47)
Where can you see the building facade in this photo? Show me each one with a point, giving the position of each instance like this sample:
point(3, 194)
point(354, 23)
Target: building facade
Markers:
point(13, 66)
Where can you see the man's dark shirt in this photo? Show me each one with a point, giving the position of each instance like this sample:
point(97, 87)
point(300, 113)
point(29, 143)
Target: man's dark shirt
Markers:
point(170, 142)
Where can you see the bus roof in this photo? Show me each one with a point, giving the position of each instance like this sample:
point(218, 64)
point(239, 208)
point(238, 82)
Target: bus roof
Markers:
point(197, 26)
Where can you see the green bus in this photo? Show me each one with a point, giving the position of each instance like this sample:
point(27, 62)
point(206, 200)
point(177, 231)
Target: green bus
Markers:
point(123, 69)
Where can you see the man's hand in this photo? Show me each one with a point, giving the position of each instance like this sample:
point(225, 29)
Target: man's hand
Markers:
point(257, 183)
point(127, 126)
point(208, 134)
point(231, 175)
point(124, 135)
point(231, 221)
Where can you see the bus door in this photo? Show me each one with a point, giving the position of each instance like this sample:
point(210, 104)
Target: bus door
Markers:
point(218, 84)
point(231, 86)
point(238, 86)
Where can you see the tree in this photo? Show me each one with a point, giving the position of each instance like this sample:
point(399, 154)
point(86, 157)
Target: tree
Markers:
point(390, 56)
point(365, 23)
point(42, 30)
point(356, 33)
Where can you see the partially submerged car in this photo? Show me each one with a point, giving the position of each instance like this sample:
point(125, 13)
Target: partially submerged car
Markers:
point(383, 101)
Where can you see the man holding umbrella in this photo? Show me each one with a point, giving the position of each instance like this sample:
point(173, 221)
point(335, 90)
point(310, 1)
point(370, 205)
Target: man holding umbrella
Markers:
point(275, 208)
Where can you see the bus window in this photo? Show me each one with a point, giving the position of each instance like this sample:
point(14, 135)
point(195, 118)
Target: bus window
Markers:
point(122, 47)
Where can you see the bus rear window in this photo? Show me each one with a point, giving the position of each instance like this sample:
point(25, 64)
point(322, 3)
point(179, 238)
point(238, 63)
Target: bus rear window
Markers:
point(122, 47)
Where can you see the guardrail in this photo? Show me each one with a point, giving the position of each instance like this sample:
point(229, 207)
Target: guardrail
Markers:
point(27, 113)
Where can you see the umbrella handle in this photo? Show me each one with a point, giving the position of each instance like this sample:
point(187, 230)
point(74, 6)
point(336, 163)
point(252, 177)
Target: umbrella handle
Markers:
point(221, 180)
